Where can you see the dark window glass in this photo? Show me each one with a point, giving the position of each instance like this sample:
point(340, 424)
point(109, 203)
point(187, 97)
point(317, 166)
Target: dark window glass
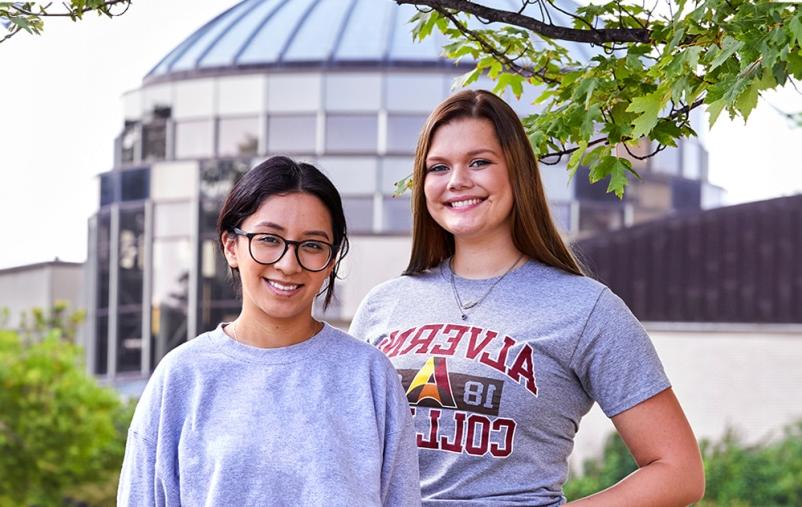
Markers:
point(397, 216)
point(595, 217)
point(101, 343)
point(108, 188)
point(129, 142)
point(103, 256)
point(154, 140)
point(135, 184)
point(129, 341)
point(686, 194)
point(216, 179)
point(130, 269)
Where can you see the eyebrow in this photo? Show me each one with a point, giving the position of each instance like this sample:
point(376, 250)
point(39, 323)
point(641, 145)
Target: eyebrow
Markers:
point(471, 153)
point(272, 225)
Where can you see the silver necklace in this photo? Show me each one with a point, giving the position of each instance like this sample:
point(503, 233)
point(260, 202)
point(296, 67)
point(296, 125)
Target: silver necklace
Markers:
point(468, 306)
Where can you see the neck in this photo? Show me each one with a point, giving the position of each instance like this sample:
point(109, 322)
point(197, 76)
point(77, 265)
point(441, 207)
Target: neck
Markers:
point(483, 257)
point(253, 327)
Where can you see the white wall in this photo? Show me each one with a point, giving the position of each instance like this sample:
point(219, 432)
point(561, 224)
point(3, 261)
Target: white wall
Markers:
point(22, 289)
point(748, 379)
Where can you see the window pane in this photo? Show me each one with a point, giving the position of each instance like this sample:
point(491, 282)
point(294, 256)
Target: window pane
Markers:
point(352, 133)
point(351, 175)
point(129, 341)
point(403, 131)
point(561, 215)
point(358, 214)
point(101, 343)
point(294, 134)
point(129, 141)
point(171, 264)
point(103, 258)
point(135, 184)
point(394, 170)
point(194, 139)
point(108, 188)
point(397, 216)
point(216, 180)
point(131, 257)
point(217, 300)
point(353, 92)
point(154, 140)
point(598, 218)
point(238, 136)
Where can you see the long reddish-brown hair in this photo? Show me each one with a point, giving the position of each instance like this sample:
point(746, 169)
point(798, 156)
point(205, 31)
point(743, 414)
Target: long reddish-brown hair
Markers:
point(533, 231)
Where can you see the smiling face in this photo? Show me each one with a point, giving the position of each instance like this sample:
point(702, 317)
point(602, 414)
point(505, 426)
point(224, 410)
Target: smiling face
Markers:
point(467, 184)
point(283, 290)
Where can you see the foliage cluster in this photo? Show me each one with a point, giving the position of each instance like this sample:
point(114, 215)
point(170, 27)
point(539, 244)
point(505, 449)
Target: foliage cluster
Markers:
point(61, 434)
point(29, 16)
point(648, 68)
point(768, 474)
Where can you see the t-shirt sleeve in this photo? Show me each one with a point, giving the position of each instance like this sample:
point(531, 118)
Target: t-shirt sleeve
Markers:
point(365, 318)
point(400, 477)
point(615, 360)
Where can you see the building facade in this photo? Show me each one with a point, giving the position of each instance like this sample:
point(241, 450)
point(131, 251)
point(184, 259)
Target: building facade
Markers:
point(338, 83)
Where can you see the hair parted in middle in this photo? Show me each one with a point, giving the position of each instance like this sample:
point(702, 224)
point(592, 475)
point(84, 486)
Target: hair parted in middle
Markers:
point(533, 231)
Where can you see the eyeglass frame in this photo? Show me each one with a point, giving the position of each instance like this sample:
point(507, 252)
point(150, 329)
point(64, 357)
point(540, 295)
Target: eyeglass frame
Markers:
point(287, 243)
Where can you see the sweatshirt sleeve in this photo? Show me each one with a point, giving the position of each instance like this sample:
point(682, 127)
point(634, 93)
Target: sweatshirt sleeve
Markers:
point(400, 477)
point(140, 484)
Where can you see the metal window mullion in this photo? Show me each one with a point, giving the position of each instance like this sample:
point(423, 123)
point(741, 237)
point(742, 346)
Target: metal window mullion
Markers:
point(192, 300)
point(114, 253)
point(90, 282)
point(147, 289)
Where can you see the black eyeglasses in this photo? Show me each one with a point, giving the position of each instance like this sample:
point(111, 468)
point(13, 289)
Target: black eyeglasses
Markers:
point(312, 254)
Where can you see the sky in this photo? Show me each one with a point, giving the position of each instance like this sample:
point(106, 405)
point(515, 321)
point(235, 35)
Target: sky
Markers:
point(61, 95)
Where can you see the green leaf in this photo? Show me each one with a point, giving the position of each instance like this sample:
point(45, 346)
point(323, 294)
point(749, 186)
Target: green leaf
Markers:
point(714, 110)
point(649, 107)
point(576, 156)
point(729, 47)
point(402, 186)
point(795, 26)
point(513, 81)
point(617, 169)
point(747, 101)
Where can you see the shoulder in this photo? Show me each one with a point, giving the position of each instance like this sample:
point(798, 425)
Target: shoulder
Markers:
point(349, 350)
point(402, 284)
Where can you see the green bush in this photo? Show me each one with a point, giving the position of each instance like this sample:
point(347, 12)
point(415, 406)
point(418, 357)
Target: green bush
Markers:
point(61, 434)
point(768, 474)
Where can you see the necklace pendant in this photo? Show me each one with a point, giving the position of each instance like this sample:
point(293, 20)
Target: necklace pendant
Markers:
point(469, 305)
point(464, 317)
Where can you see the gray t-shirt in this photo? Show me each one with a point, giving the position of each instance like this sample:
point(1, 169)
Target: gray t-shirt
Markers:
point(320, 423)
point(498, 397)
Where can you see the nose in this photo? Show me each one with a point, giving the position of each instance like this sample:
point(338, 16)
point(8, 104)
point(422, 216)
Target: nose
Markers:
point(459, 178)
point(288, 264)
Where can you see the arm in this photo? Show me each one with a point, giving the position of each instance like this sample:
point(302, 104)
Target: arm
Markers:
point(138, 476)
point(670, 469)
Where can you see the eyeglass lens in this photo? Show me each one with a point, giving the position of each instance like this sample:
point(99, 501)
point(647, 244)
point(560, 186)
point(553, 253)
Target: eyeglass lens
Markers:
point(269, 248)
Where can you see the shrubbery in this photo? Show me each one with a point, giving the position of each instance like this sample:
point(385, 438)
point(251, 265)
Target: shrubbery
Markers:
point(61, 434)
point(738, 475)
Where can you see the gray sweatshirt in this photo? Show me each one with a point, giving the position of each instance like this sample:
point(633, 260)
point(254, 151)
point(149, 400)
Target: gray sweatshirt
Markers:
point(323, 422)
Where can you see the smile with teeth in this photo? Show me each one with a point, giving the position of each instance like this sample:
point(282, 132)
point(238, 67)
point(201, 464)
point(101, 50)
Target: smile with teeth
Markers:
point(464, 203)
point(285, 287)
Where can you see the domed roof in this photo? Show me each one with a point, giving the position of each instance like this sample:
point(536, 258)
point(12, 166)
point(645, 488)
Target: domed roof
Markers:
point(293, 33)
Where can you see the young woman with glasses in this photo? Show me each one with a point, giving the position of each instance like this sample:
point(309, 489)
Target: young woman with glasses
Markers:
point(276, 407)
point(502, 343)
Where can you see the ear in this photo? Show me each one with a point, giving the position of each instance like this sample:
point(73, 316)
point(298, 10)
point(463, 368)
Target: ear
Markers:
point(230, 249)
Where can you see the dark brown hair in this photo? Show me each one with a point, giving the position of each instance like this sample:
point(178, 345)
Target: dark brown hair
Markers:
point(282, 175)
point(533, 231)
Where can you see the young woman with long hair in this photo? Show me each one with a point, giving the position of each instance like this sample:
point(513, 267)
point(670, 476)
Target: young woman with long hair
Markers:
point(503, 344)
point(276, 407)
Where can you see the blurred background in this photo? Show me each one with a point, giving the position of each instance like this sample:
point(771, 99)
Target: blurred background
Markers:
point(120, 137)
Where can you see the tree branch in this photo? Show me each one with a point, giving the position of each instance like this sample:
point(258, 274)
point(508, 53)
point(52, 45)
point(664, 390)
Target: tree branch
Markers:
point(591, 36)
